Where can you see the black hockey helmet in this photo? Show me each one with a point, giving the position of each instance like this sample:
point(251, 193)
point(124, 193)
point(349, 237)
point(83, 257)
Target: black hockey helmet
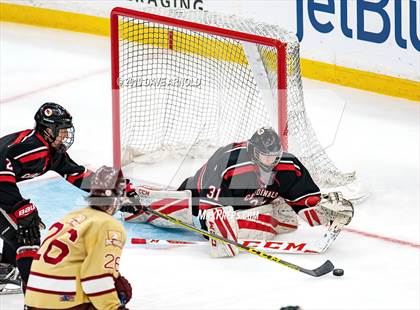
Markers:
point(265, 148)
point(106, 188)
point(55, 117)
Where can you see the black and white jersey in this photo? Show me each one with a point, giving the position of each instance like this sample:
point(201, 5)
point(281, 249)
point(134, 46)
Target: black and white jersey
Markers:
point(25, 155)
point(230, 177)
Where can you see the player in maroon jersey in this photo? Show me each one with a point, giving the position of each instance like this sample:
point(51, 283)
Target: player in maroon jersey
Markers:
point(253, 189)
point(25, 155)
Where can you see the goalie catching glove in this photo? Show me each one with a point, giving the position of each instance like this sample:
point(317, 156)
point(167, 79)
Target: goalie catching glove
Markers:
point(332, 208)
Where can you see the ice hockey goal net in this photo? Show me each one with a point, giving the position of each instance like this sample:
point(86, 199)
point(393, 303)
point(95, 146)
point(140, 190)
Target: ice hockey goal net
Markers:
point(183, 79)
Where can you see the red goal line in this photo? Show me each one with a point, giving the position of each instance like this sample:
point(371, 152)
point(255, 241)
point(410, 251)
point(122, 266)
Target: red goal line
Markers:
point(388, 239)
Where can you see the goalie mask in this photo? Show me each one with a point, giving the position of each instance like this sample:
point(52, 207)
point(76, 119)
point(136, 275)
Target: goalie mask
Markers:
point(265, 149)
point(55, 124)
point(106, 189)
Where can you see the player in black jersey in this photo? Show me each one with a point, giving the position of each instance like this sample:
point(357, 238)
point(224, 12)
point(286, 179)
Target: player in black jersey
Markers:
point(25, 155)
point(255, 190)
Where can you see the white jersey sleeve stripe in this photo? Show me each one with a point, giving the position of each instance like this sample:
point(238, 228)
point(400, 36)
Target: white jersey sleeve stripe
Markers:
point(97, 285)
point(51, 285)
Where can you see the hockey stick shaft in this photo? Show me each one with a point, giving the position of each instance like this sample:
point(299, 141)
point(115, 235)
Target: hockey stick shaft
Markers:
point(323, 269)
point(265, 245)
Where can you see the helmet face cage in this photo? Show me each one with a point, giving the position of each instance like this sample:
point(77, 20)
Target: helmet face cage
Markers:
point(257, 157)
point(265, 149)
point(54, 117)
point(68, 139)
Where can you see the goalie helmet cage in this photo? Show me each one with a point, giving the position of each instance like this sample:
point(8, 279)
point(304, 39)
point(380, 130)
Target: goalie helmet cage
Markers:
point(184, 78)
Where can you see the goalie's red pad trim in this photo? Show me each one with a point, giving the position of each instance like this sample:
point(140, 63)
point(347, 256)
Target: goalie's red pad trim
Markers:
point(183, 204)
point(244, 224)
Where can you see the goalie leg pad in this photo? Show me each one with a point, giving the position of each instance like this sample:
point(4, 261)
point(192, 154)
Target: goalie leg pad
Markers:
point(174, 203)
point(220, 221)
point(266, 221)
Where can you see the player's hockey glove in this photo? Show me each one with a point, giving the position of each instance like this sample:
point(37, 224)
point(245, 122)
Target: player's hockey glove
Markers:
point(28, 223)
point(131, 203)
point(124, 290)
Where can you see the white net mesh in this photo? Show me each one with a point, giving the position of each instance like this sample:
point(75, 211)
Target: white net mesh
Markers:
point(182, 89)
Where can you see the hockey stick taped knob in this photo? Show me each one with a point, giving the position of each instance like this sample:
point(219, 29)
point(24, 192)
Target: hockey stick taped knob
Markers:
point(338, 272)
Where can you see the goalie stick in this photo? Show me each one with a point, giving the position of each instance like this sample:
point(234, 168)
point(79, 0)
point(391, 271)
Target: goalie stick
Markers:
point(270, 246)
point(317, 272)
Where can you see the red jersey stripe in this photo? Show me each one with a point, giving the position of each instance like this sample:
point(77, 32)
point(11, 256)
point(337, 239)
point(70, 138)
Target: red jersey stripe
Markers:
point(28, 253)
point(21, 136)
point(100, 276)
point(8, 178)
point(51, 276)
point(310, 201)
point(74, 178)
point(289, 167)
point(49, 292)
point(239, 170)
point(33, 156)
point(42, 139)
point(101, 293)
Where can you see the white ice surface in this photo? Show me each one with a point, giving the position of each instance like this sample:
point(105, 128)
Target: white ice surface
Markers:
point(378, 136)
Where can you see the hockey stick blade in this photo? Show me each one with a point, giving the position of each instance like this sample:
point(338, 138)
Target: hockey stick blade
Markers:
point(325, 268)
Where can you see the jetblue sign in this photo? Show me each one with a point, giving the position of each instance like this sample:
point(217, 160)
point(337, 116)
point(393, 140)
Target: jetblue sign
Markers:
point(405, 29)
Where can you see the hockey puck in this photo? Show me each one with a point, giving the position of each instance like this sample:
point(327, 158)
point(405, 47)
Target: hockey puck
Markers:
point(338, 272)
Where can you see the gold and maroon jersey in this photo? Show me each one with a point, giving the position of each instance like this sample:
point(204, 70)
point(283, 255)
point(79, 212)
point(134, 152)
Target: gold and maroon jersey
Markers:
point(231, 178)
point(78, 262)
point(25, 155)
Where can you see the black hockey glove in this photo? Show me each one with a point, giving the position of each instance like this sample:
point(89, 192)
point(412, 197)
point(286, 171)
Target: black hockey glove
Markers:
point(28, 223)
point(131, 203)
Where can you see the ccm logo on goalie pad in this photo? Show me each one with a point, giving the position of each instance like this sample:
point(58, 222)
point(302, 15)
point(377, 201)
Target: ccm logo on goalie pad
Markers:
point(277, 245)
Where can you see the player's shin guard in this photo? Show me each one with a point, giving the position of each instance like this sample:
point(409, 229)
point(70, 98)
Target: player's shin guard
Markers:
point(222, 222)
